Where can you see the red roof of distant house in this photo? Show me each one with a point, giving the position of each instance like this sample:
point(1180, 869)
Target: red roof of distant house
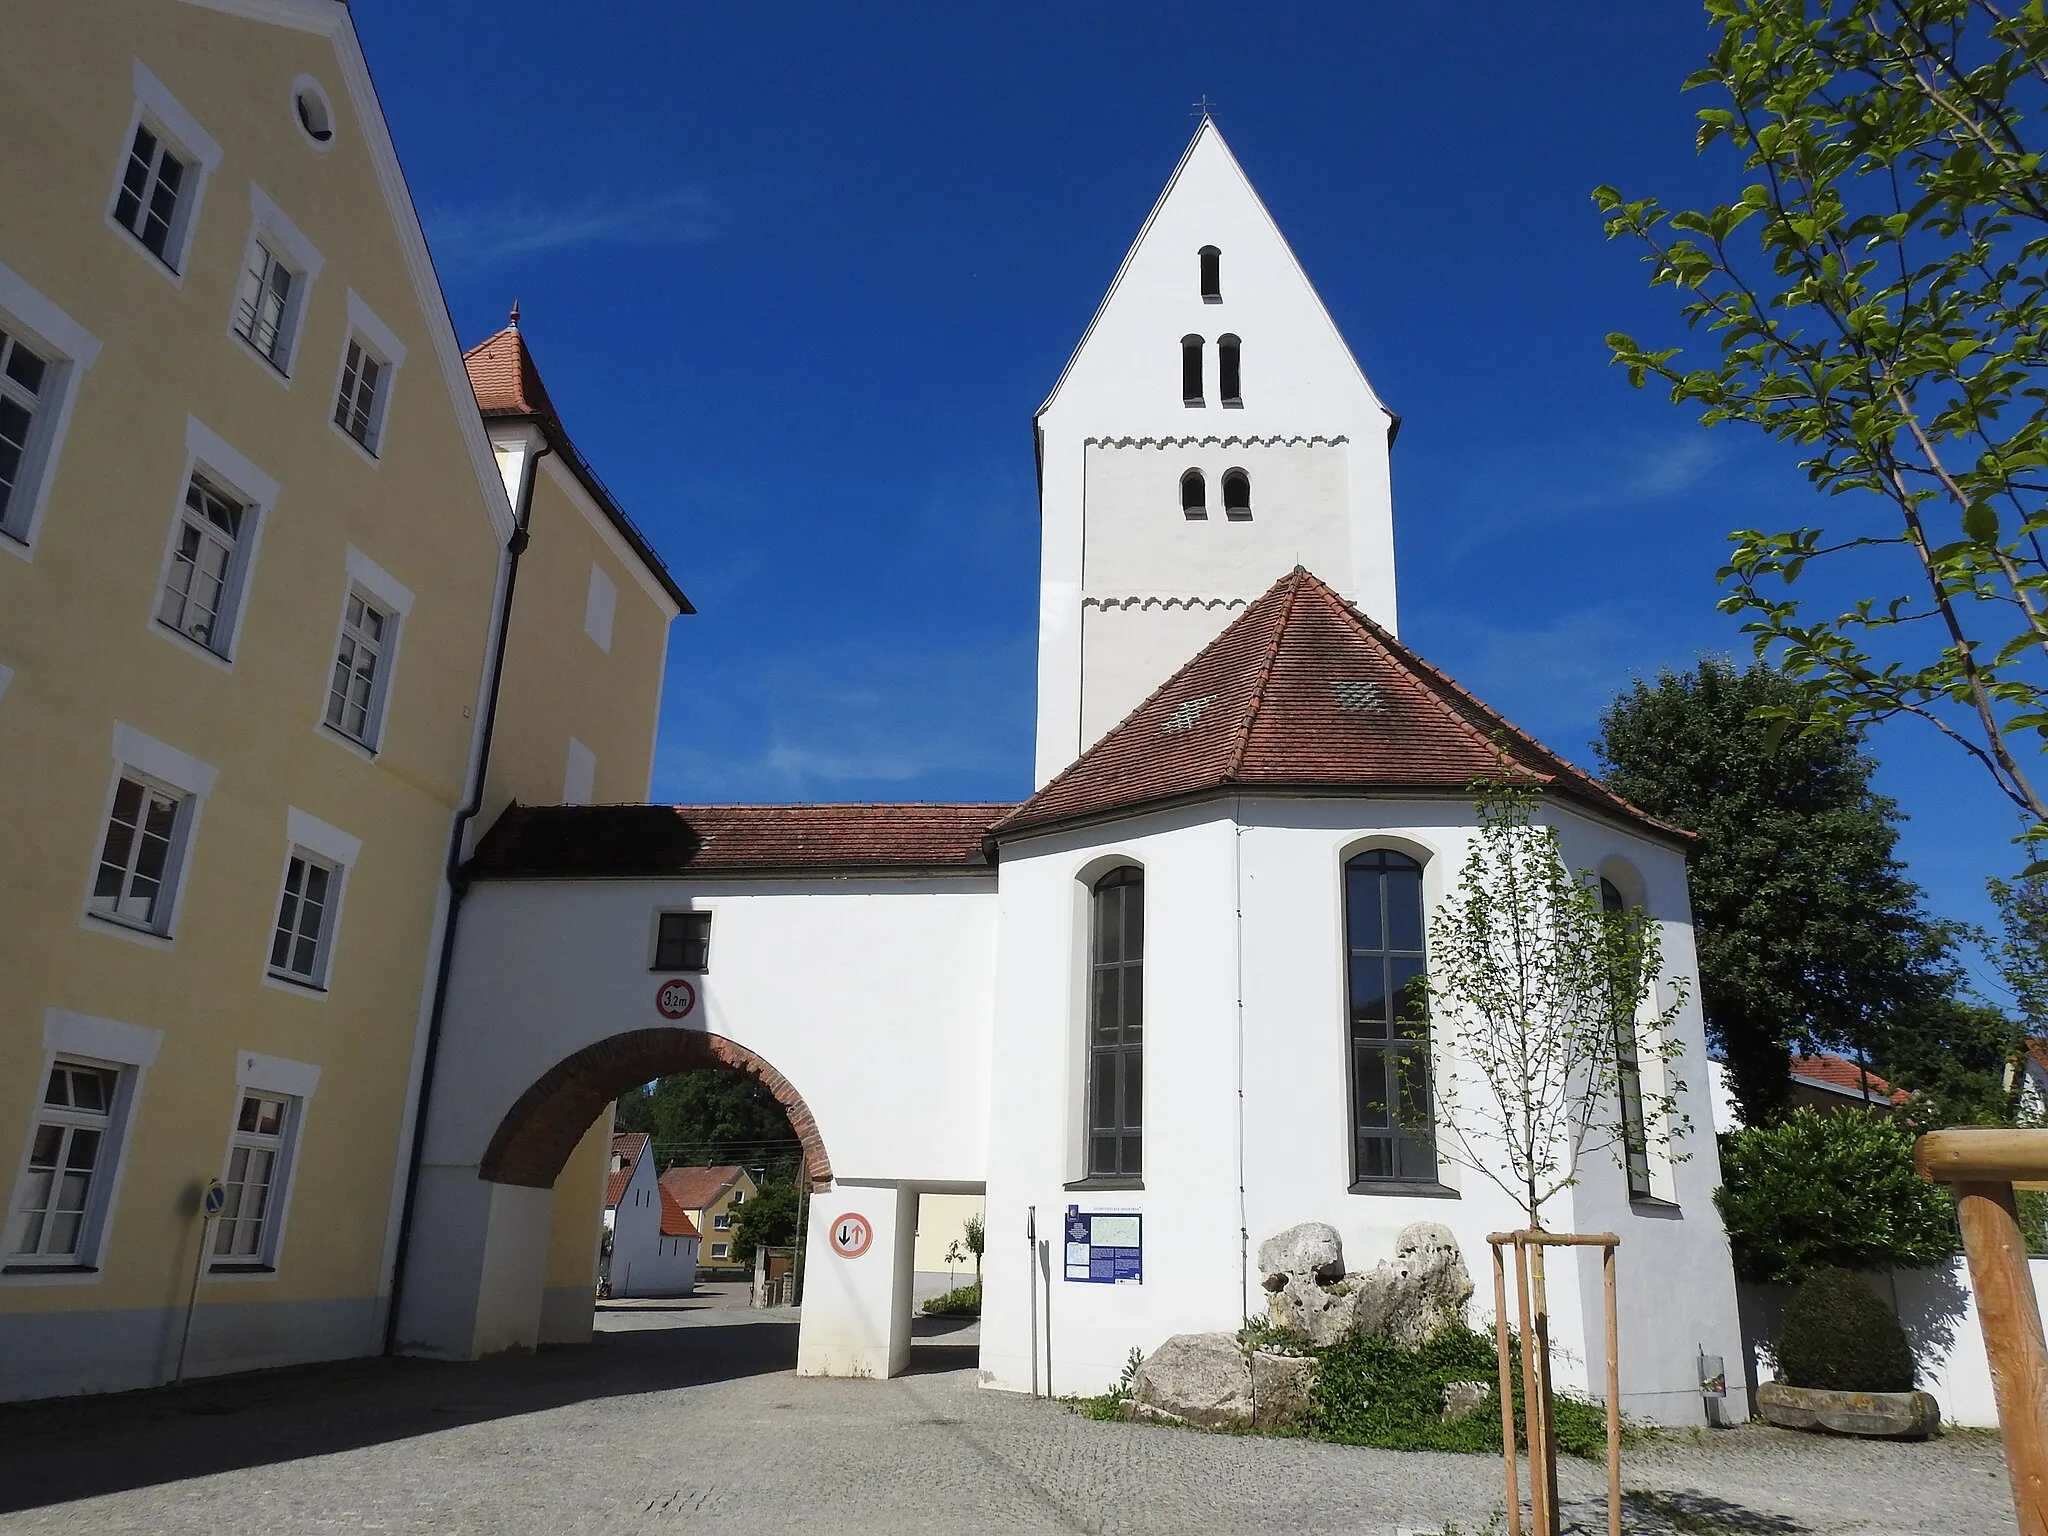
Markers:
point(507, 384)
point(1841, 1075)
point(694, 1188)
point(1304, 692)
point(675, 1220)
point(587, 841)
point(632, 1146)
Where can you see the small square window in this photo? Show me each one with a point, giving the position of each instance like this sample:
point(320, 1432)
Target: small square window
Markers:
point(300, 942)
point(202, 586)
point(722, 1221)
point(137, 867)
point(720, 1250)
point(245, 1232)
point(683, 942)
point(356, 691)
point(56, 1202)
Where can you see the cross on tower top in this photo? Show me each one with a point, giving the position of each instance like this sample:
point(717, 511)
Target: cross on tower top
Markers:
point(1204, 109)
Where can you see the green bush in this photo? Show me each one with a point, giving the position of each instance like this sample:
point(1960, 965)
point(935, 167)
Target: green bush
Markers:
point(1372, 1392)
point(1814, 1191)
point(961, 1301)
point(1839, 1334)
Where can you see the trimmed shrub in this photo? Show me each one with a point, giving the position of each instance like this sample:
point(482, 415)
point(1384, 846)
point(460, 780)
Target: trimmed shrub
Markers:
point(961, 1301)
point(1815, 1190)
point(1839, 1334)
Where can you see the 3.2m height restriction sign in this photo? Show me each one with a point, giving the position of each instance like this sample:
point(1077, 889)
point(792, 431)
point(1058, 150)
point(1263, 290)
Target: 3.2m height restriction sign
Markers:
point(851, 1235)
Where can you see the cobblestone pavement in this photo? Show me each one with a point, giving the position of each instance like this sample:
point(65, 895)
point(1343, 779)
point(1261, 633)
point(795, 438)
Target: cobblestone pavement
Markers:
point(659, 1428)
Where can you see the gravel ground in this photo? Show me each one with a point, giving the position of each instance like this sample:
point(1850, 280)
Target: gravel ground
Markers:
point(666, 1424)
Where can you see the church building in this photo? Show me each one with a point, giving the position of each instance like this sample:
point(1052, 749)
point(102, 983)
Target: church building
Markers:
point(1147, 1010)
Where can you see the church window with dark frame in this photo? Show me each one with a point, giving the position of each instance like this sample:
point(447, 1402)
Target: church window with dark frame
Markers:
point(1392, 1115)
point(1116, 1025)
point(1237, 494)
point(1194, 494)
point(1191, 370)
point(1229, 377)
point(1212, 274)
point(1628, 1071)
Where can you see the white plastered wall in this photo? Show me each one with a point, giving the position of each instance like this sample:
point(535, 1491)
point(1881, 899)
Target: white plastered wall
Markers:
point(1309, 422)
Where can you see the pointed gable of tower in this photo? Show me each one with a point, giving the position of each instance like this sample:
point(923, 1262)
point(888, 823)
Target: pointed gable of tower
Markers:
point(1304, 693)
point(1211, 430)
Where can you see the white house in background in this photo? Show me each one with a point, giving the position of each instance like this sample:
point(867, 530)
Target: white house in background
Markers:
point(654, 1242)
point(1146, 1011)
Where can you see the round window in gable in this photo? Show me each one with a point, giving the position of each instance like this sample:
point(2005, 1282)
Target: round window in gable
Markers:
point(310, 106)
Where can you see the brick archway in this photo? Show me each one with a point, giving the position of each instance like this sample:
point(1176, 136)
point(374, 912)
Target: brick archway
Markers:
point(534, 1140)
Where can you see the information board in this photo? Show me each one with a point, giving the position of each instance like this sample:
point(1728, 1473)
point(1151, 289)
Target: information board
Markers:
point(1105, 1247)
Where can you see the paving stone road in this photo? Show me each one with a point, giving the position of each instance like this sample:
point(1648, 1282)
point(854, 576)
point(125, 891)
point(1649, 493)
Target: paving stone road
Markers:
point(666, 1425)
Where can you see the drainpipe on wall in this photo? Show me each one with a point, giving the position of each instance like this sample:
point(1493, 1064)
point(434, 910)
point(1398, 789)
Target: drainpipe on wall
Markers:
point(458, 887)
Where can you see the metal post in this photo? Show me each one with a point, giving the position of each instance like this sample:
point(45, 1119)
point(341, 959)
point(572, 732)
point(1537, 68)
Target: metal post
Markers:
point(192, 1298)
point(1031, 1242)
point(1507, 1388)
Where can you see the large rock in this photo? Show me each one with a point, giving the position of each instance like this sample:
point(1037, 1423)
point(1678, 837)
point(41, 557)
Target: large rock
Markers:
point(1409, 1298)
point(1208, 1380)
point(1873, 1415)
point(1312, 1250)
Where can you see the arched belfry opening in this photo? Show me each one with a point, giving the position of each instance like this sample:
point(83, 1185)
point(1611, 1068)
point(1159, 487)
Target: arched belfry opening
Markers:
point(534, 1139)
point(1212, 274)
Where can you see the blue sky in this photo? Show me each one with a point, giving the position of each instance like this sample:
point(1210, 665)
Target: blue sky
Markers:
point(798, 275)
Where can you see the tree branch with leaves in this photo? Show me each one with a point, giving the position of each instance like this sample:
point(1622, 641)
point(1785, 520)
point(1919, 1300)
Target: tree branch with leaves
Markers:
point(1545, 1004)
point(1877, 293)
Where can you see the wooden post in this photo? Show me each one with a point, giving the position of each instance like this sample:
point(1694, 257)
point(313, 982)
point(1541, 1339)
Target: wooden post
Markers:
point(1548, 1408)
point(1507, 1386)
point(1983, 1164)
point(1532, 1397)
point(1613, 1393)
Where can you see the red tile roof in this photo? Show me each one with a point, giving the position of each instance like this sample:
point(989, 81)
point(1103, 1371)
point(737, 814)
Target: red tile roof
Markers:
point(582, 841)
point(675, 1220)
point(1302, 691)
point(632, 1146)
point(615, 1187)
point(694, 1188)
point(507, 385)
point(1845, 1076)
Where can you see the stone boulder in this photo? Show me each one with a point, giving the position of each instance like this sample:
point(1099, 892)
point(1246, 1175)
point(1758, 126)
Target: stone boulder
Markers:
point(1208, 1380)
point(1409, 1298)
point(1312, 1250)
point(1872, 1415)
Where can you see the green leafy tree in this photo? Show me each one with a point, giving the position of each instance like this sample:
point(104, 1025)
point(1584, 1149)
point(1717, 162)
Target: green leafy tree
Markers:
point(1535, 989)
point(2019, 952)
point(767, 1220)
point(715, 1115)
point(1809, 933)
point(976, 1234)
point(1953, 1056)
point(1814, 1190)
point(1876, 291)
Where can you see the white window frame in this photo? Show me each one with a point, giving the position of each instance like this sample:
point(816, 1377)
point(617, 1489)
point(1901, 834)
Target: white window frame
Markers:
point(308, 837)
point(600, 607)
point(143, 757)
point(579, 774)
point(381, 342)
point(68, 349)
point(370, 581)
point(178, 130)
point(126, 1049)
point(721, 1252)
point(208, 456)
point(270, 229)
point(296, 1082)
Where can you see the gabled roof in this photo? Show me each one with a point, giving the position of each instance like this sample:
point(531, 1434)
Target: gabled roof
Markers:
point(615, 1187)
point(695, 1188)
point(1304, 692)
point(632, 1146)
point(568, 842)
point(1838, 1074)
point(507, 384)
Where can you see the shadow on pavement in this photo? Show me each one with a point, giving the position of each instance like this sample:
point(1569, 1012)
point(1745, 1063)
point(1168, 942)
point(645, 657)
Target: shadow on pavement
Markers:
point(1698, 1512)
point(73, 1448)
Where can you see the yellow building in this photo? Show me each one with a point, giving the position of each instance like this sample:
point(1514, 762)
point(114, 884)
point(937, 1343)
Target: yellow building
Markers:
point(712, 1198)
point(256, 542)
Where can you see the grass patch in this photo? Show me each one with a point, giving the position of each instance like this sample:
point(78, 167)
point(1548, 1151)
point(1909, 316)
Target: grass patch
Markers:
point(961, 1301)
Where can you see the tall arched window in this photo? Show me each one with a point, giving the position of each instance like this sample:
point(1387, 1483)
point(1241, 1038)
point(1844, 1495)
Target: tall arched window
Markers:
point(1116, 1025)
point(1237, 494)
point(1191, 370)
point(1194, 494)
point(1628, 1071)
point(1228, 383)
point(1393, 1120)
point(1212, 274)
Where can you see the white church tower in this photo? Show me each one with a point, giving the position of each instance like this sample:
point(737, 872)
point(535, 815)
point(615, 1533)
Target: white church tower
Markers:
point(1211, 431)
